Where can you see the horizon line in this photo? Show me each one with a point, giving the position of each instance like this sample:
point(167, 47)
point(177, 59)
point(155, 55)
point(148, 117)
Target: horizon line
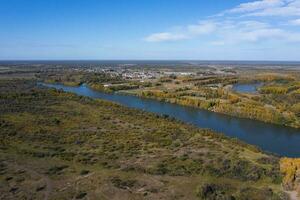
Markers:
point(202, 60)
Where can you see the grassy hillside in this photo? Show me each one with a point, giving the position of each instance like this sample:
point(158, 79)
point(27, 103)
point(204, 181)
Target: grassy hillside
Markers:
point(56, 145)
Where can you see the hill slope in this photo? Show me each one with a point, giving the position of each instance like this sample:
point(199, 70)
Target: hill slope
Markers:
point(56, 145)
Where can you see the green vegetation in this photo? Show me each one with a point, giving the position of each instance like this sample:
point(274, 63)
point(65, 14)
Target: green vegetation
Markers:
point(56, 145)
point(291, 170)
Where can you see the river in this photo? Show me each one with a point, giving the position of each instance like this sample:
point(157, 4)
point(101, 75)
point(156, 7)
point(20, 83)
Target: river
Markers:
point(247, 87)
point(284, 141)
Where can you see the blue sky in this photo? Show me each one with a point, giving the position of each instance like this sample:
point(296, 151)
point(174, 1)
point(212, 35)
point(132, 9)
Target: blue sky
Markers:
point(150, 29)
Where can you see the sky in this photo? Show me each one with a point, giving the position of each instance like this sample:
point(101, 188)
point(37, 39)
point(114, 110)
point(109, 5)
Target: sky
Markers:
point(150, 29)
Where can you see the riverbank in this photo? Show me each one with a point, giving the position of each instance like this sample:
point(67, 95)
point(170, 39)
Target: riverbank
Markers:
point(281, 140)
point(243, 105)
point(234, 107)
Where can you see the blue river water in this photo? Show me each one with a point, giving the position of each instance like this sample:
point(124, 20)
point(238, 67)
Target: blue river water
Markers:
point(284, 141)
point(247, 88)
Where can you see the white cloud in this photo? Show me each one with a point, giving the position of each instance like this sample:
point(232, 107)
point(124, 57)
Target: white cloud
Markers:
point(233, 32)
point(256, 5)
point(268, 8)
point(204, 27)
point(295, 22)
point(281, 11)
point(188, 32)
point(166, 36)
point(260, 34)
point(252, 25)
point(218, 43)
point(256, 21)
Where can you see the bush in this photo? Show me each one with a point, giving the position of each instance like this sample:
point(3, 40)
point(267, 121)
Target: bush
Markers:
point(212, 191)
point(84, 172)
point(56, 170)
point(122, 184)
point(81, 195)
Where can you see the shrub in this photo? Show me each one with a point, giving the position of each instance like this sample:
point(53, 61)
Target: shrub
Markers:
point(84, 172)
point(122, 184)
point(212, 191)
point(81, 195)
